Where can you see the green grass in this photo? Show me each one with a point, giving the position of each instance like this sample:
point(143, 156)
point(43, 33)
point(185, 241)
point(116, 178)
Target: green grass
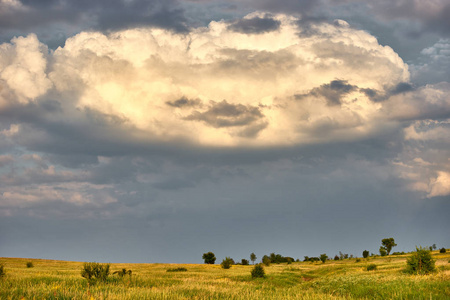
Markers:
point(346, 279)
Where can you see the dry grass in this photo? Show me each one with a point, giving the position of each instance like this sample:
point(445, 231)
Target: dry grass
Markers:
point(345, 279)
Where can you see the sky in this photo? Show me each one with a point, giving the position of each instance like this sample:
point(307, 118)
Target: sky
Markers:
point(154, 131)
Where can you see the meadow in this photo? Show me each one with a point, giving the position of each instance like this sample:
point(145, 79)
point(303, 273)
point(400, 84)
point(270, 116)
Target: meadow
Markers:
point(343, 279)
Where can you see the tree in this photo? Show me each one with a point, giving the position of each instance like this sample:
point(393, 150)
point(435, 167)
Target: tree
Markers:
point(388, 244)
point(336, 257)
point(209, 258)
point(253, 257)
point(365, 253)
point(244, 262)
point(420, 262)
point(434, 247)
point(227, 263)
point(442, 250)
point(383, 251)
point(323, 257)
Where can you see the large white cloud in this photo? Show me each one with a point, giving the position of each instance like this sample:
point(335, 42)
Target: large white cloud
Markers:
point(220, 86)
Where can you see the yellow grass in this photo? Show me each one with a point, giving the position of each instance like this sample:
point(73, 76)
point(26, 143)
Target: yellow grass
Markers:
point(346, 279)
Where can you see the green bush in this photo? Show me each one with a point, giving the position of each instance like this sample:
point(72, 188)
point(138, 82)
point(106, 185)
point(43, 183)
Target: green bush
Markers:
point(123, 272)
point(227, 262)
point(358, 260)
point(323, 258)
point(2, 270)
point(93, 271)
point(371, 267)
point(244, 262)
point(420, 262)
point(365, 253)
point(177, 270)
point(336, 257)
point(258, 271)
point(442, 250)
point(266, 260)
point(30, 264)
point(383, 251)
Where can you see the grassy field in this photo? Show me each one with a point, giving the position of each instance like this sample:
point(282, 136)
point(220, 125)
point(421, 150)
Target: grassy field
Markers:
point(345, 279)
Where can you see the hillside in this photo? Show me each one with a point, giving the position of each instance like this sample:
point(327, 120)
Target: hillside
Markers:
point(343, 279)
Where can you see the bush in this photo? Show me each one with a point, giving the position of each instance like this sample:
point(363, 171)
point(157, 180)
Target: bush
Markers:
point(358, 260)
point(266, 260)
point(323, 258)
point(177, 270)
point(420, 262)
point(371, 267)
point(94, 271)
point(2, 270)
point(336, 257)
point(30, 264)
point(258, 271)
point(442, 250)
point(209, 258)
point(244, 262)
point(123, 272)
point(365, 253)
point(383, 251)
point(227, 263)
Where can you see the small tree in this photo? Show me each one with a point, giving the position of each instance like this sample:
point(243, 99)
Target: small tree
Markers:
point(388, 244)
point(209, 258)
point(383, 251)
point(323, 258)
point(365, 253)
point(258, 271)
point(336, 257)
point(253, 257)
point(420, 262)
point(434, 247)
point(442, 250)
point(244, 262)
point(266, 260)
point(227, 262)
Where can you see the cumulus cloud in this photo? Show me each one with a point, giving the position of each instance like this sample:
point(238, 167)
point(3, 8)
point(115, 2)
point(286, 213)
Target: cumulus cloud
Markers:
point(153, 79)
point(88, 115)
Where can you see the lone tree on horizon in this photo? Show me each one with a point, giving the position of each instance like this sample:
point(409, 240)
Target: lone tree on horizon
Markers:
point(388, 244)
point(209, 258)
point(253, 257)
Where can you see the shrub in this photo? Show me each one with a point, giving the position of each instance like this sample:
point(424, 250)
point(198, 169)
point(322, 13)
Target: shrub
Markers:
point(93, 271)
point(258, 271)
point(2, 270)
point(177, 270)
point(244, 262)
point(358, 260)
point(420, 262)
point(209, 258)
point(30, 264)
point(383, 251)
point(123, 272)
point(365, 253)
point(266, 260)
point(442, 250)
point(227, 262)
point(336, 257)
point(371, 267)
point(323, 258)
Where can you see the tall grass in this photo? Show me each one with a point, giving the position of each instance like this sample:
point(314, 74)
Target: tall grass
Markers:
point(334, 280)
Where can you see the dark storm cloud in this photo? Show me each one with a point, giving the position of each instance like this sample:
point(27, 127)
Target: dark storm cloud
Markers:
point(184, 102)
point(255, 25)
point(224, 114)
point(97, 15)
point(332, 92)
